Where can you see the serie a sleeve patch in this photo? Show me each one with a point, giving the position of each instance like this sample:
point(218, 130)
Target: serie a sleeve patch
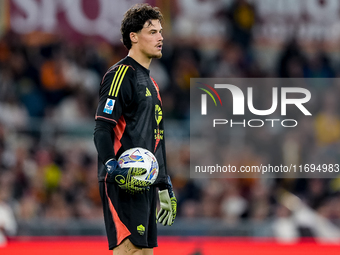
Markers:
point(110, 103)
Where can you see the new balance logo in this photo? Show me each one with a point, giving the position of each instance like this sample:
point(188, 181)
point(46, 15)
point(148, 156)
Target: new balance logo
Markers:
point(148, 93)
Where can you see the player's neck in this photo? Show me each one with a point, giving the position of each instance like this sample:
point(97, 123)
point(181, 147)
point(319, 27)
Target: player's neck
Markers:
point(140, 58)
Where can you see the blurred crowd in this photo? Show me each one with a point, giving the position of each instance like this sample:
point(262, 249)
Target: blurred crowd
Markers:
point(48, 83)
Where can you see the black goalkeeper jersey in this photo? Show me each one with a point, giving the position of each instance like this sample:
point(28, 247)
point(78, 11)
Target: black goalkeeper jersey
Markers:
point(129, 98)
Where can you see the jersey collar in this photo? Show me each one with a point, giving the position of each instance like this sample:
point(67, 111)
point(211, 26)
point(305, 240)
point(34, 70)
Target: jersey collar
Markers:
point(135, 63)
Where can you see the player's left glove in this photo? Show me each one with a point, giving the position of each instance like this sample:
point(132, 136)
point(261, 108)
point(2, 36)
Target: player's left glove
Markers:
point(168, 201)
point(124, 177)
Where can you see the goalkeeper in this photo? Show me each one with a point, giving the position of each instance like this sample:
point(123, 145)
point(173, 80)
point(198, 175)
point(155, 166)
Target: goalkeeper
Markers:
point(129, 114)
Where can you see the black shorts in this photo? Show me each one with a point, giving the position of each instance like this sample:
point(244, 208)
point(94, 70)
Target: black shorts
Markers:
point(129, 216)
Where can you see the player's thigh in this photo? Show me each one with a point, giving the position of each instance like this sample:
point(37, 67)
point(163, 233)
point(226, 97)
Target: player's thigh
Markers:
point(127, 248)
point(147, 251)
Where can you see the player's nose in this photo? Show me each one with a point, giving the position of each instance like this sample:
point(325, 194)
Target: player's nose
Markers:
point(160, 37)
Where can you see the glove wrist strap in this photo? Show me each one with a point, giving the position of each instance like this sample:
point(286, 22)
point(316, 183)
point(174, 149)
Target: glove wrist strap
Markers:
point(110, 160)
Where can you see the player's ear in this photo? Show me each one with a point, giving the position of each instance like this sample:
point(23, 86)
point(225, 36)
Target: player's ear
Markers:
point(133, 37)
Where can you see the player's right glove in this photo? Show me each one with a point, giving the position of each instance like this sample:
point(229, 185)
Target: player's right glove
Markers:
point(124, 177)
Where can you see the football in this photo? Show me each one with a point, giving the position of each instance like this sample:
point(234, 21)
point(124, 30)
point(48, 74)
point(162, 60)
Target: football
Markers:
point(140, 157)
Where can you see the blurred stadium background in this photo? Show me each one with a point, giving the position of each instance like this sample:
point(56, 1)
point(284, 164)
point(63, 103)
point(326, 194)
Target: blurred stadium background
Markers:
point(53, 54)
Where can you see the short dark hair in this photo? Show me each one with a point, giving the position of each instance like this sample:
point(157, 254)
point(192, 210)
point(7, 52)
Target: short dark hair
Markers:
point(135, 18)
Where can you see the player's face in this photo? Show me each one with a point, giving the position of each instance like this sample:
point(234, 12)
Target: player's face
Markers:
point(150, 39)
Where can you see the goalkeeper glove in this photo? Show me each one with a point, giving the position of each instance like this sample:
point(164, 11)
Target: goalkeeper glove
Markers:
point(124, 177)
point(168, 201)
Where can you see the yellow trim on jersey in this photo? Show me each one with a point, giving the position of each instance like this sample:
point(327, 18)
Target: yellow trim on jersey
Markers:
point(114, 79)
point(117, 80)
point(121, 79)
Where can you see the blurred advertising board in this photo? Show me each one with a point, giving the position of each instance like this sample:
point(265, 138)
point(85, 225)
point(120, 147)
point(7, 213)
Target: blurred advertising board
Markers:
point(71, 18)
point(276, 20)
point(170, 246)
